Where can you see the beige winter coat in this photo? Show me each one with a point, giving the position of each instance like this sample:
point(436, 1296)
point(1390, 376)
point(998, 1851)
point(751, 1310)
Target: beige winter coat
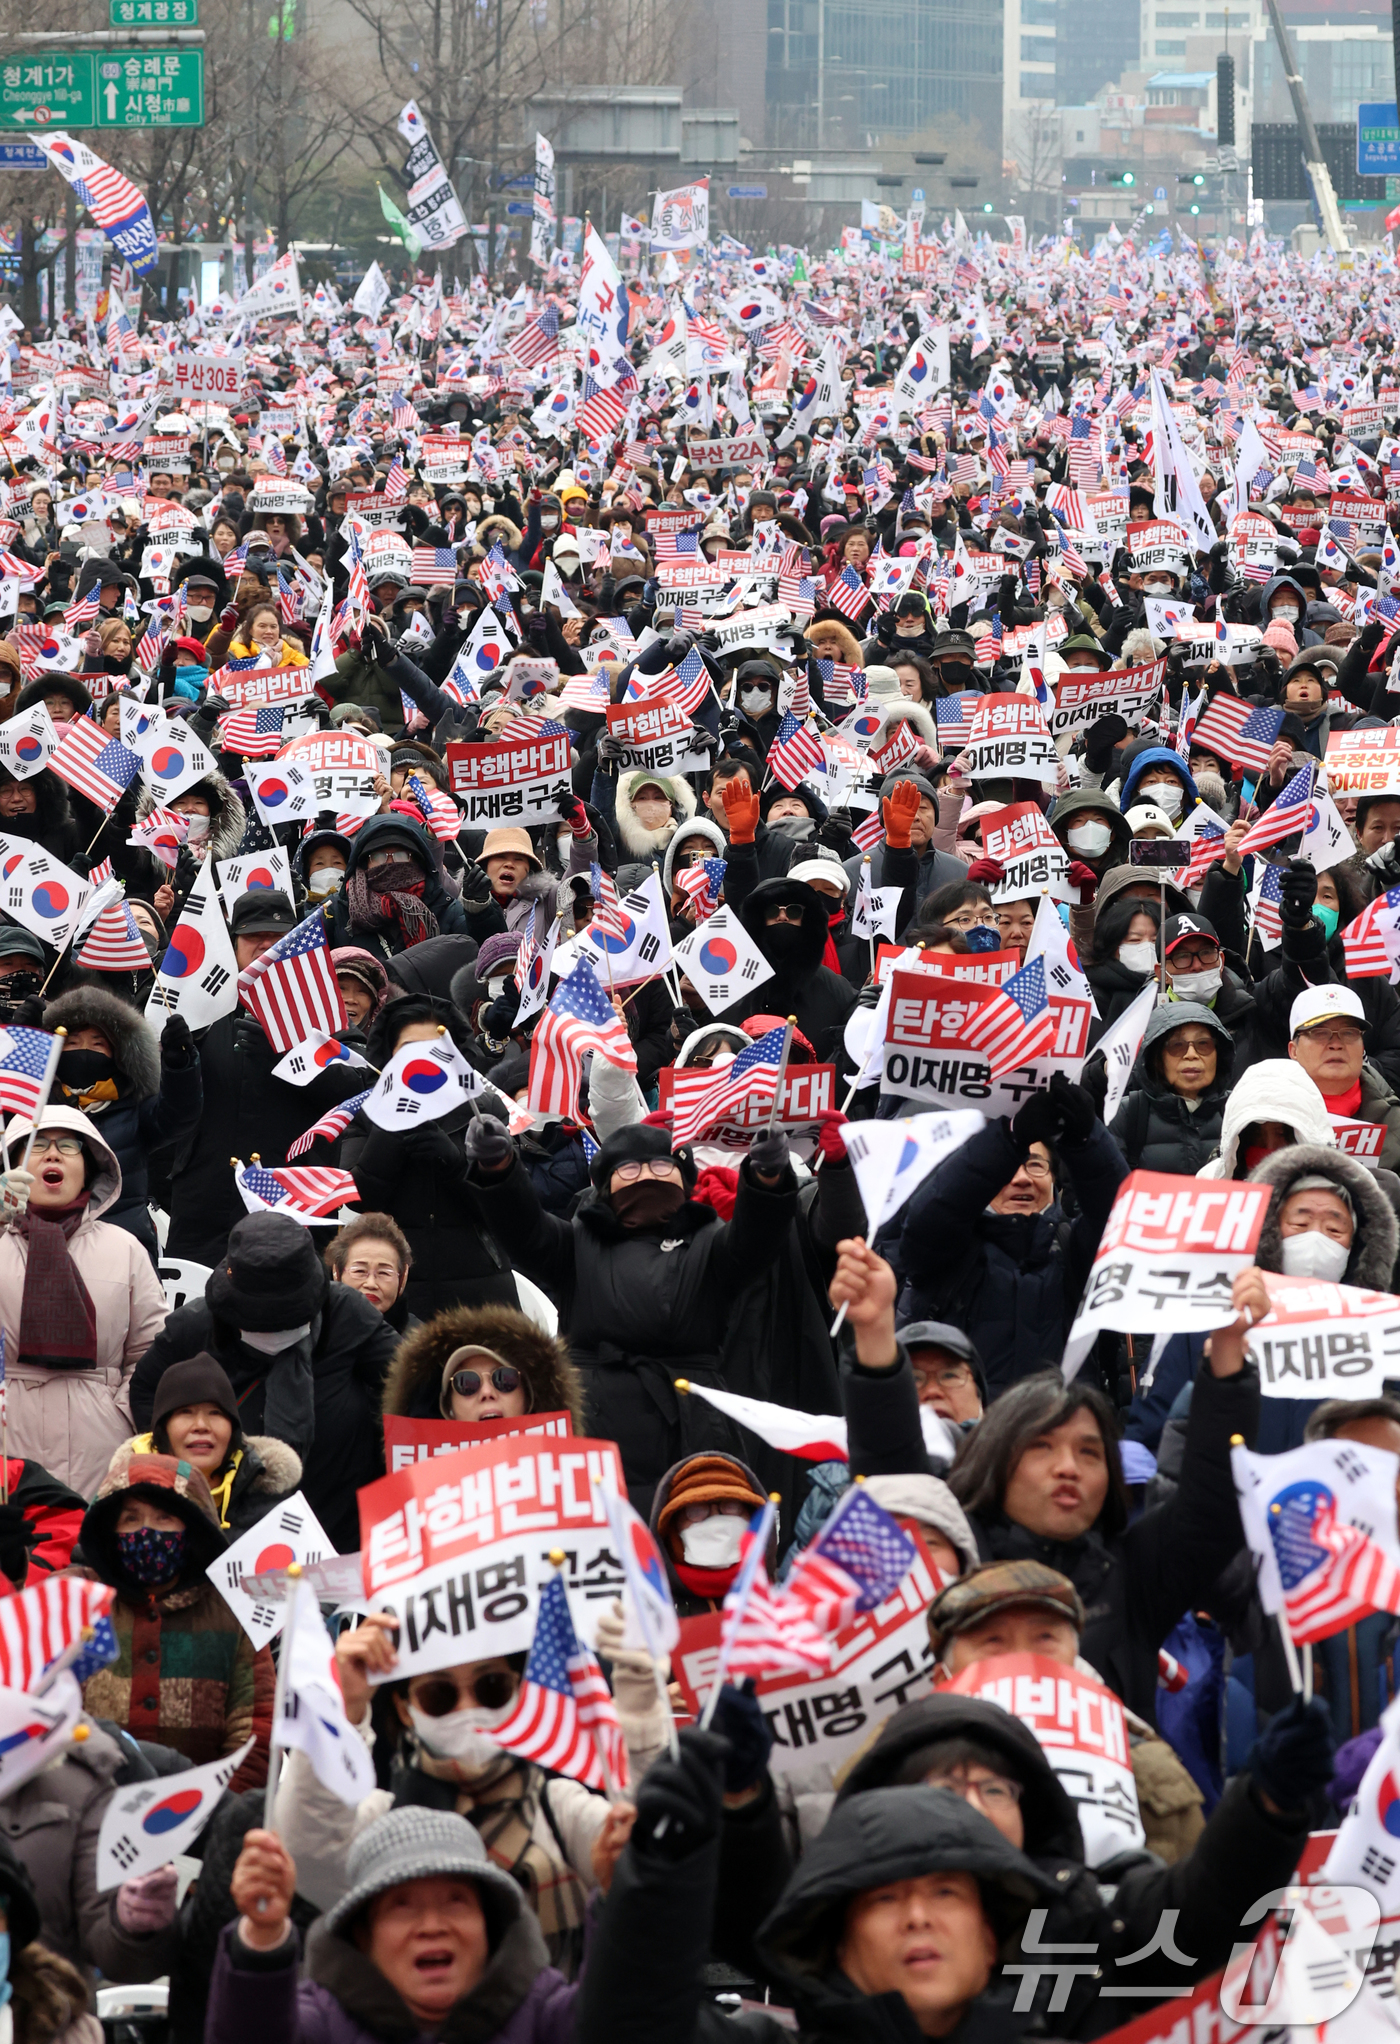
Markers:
point(72, 1421)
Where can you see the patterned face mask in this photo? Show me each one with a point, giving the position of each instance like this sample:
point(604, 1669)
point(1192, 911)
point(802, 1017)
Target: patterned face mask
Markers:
point(150, 1556)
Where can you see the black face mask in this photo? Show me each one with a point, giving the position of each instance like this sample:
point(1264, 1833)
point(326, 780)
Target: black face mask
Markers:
point(80, 1069)
point(647, 1202)
point(784, 942)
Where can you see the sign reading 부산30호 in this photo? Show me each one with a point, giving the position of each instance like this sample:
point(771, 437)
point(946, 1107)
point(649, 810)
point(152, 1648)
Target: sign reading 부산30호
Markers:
point(518, 782)
point(928, 1057)
point(1129, 694)
point(657, 738)
point(1168, 1258)
point(1322, 1340)
point(458, 1548)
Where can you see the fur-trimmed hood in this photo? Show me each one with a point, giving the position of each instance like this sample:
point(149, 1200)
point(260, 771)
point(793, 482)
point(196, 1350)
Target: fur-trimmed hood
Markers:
point(920, 715)
point(279, 1473)
point(831, 640)
point(1377, 1234)
point(227, 818)
point(497, 527)
point(697, 826)
point(636, 840)
point(134, 1047)
point(414, 1383)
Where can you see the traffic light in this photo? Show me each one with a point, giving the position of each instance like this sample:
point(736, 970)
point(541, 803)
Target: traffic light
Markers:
point(1191, 177)
point(1122, 177)
point(1225, 100)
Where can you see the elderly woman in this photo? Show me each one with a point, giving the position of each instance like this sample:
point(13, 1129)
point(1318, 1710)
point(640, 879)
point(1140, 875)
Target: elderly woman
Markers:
point(79, 1301)
point(1175, 1105)
point(196, 1419)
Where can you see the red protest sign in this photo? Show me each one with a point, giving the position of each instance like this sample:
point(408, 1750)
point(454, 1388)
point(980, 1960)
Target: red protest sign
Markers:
point(1010, 833)
point(408, 1440)
point(928, 1056)
point(518, 782)
point(991, 968)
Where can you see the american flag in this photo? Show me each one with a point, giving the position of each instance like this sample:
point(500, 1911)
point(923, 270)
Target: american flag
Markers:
point(81, 611)
point(440, 812)
point(1207, 845)
point(858, 1559)
point(849, 595)
point(1068, 506)
point(1267, 900)
point(1291, 812)
point(396, 483)
point(1016, 1025)
point(309, 1192)
point(798, 594)
point(701, 884)
point(607, 910)
point(41, 1623)
point(113, 944)
point(433, 564)
point(795, 752)
point(675, 546)
point(331, 1125)
point(564, 1718)
point(1363, 942)
point(538, 343)
point(1083, 462)
point(701, 1100)
point(24, 1059)
point(869, 834)
point(99, 767)
point(1073, 560)
point(1330, 1569)
point(954, 717)
point(580, 1018)
point(688, 684)
point(838, 680)
point(601, 413)
point(292, 989)
point(763, 1631)
point(1241, 733)
point(358, 600)
point(255, 731)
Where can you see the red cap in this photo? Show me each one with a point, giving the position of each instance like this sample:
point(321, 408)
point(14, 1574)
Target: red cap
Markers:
point(194, 647)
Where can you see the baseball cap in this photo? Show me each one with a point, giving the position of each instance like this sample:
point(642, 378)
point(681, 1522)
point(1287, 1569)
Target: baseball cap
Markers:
point(1179, 928)
point(262, 909)
point(1316, 1005)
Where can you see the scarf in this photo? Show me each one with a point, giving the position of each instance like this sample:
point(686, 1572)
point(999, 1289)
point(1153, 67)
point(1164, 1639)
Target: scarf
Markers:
point(57, 1319)
point(94, 1099)
point(289, 1402)
point(829, 957)
point(506, 1810)
point(391, 899)
point(1346, 1104)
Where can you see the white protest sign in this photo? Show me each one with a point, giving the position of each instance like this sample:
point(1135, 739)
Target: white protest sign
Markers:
point(1322, 1340)
point(929, 1059)
point(520, 781)
point(1011, 740)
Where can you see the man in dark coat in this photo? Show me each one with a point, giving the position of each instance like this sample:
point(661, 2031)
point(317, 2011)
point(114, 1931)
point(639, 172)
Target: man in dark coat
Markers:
point(984, 1242)
point(246, 1111)
point(644, 1277)
point(907, 851)
point(787, 920)
point(307, 1359)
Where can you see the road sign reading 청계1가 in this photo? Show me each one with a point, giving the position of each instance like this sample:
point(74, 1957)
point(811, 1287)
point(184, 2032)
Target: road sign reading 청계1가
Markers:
point(103, 88)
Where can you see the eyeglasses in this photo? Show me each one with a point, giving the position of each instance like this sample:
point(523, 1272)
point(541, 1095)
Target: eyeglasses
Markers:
point(469, 1382)
point(659, 1167)
point(1199, 1044)
point(993, 1791)
point(789, 912)
point(1035, 1167)
point(971, 919)
point(437, 1695)
point(1333, 1038)
point(947, 1375)
point(67, 1146)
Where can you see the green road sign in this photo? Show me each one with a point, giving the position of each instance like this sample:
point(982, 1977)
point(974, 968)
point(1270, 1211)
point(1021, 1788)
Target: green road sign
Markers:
point(103, 88)
point(153, 13)
point(150, 88)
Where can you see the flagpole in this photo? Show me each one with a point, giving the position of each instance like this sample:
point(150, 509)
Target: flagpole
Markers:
point(557, 1559)
point(50, 1073)
point(274, 1749)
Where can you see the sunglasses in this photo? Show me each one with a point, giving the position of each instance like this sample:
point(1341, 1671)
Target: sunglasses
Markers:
point(469, 1382)
point(439, 1695)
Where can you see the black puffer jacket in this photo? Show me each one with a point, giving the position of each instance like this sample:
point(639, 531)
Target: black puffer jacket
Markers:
point(801, 986)
point(643, 1306)
point(1154, 1127)
point(387, 943)
point(159, 1095)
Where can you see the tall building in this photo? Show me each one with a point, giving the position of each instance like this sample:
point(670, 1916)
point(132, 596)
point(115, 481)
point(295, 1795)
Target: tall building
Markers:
point(845, 74)
point(1342, 63)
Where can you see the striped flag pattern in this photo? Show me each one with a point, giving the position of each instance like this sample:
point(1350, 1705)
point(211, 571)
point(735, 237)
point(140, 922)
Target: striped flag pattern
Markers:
point(292, 989)
point(1368, 956)
point(701, 1100)
point(1016, 1025)
point(1290, 813)
point(564, 1711)
point(40, 1623)
point(331, 1125)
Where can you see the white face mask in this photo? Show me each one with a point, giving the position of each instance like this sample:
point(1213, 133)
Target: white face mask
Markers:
point(1090, 838)
point(325, 880)
point(1166, 795)
point(1314, 1255)
point(1198, 986)
point(462, 1735)
point(548, 524)
point(1158, 585)
point(1286, 614)
point(273, 1344)
point(198, 828)
point(754, 701)
point(199, 611)
point(1138, 957)
point(714, 1542)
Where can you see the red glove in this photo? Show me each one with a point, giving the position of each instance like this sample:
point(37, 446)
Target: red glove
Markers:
point(740, 811)
point(575, 815)
point(831, 1144)
point(897, 813)
point(1084, 878)
point(987, 872)
point(228, 618)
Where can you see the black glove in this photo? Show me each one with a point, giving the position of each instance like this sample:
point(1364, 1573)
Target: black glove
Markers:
point(1100, 739)
point(176, 1044)
point(486, 1143)
point(30, 1013)
point(375, 643)
point(1074, 1107)
point(429, 1144)
point(739, 1719)
point(1297, 891)
point(499, 1018)
point(610, 748)
point(701, 740)
point(17, 1536)
point(678, 1802)
point(1293, 1755)
point(770, 1152)
point(1038, 1121)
